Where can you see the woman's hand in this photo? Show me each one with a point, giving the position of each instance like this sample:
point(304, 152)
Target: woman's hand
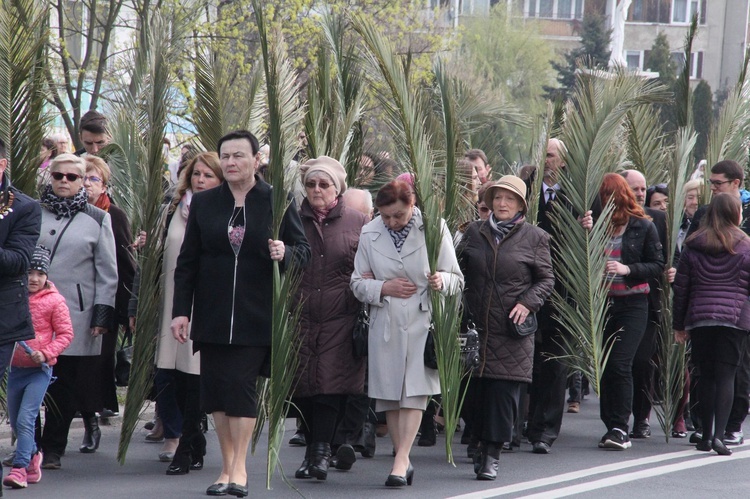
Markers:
point(38, 357)
point(617, 268)
point(98, 331)
point(519, 313)
point(400, 287)
point(179, 328)
point(587, 221)
point(140, 240)
point(435, 281)
point(681, 336)
point(276, 248)
point(671, 273)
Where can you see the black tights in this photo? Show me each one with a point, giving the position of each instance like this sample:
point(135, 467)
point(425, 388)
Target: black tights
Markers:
point(716, 393)
point(320, 414)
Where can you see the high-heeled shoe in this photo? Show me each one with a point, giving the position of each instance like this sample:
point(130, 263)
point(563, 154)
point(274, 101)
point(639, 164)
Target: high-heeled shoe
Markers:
point(400, 481)
point(720, 448)
point(178, 469)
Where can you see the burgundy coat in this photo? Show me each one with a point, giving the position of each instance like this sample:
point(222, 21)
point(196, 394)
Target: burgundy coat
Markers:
point(329, 308)
point(712, 287)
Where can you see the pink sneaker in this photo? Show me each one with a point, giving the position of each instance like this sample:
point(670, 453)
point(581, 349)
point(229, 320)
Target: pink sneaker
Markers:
point(16, 479)
point(34, 471)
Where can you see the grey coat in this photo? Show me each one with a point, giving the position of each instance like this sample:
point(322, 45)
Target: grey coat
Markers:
point(398, 327)
point(84, 270)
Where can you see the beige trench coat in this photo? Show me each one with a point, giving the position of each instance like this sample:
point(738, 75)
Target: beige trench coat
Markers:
point(398, 327)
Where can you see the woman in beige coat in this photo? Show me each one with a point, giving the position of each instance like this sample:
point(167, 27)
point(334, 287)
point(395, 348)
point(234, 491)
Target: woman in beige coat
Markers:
point(391, 274)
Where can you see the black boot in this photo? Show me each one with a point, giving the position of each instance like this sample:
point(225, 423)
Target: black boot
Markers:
point(91, 436)
point(319, 460)
point(369, 440)
point(303, 471)
point(490, 460)
point(197, 451)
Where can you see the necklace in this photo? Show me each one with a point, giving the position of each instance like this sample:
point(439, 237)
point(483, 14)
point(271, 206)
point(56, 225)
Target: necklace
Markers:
point(6, 201)
point(235, 214)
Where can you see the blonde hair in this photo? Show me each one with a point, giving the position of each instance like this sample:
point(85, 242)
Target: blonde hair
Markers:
point(210, 159)
point(100, 166)
point(693, 185)
point(68, 158)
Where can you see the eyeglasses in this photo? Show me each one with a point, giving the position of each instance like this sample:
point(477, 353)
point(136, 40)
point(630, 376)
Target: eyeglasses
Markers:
point(72, 177)
point(484, 209)
point(91, 178)
point(717, 183)
point(311, 184)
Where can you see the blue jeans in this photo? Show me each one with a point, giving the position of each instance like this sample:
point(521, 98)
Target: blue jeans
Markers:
point(26, 389)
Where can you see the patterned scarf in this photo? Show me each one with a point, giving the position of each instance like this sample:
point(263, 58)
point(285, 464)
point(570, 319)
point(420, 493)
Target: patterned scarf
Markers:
point(64, 207)
point(399, 236)
point(321, 214)
point(501, 229)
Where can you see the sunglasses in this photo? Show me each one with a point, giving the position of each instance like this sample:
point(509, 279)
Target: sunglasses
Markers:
point(717, 183)
point(72, 177)
point(653, 188)
point(311, 184)
point(484, 209)
point(91, 178)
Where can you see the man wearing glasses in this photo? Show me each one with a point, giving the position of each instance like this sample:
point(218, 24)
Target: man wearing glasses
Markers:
point(728, 176)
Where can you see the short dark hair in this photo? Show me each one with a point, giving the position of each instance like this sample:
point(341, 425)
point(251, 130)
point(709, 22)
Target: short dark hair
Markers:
point(2, 149)
point(396, 190)
point(473, 154)
point(730, 169)
point(656, 189)
point(239, 134)
point(94, 122)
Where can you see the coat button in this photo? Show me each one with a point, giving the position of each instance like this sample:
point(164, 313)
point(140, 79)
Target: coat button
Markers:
point(403, 304)
point(401, 266)
point(321, 256)
point(52, 232)
point(404, 328)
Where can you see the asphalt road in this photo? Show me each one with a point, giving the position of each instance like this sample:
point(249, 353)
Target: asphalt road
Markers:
point(576, 467)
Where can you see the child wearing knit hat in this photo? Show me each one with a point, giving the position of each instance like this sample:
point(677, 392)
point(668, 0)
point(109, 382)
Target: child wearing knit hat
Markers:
point(31, 368)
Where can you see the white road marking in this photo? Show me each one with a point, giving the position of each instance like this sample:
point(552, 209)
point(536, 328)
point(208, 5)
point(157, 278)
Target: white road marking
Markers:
point(577, 475)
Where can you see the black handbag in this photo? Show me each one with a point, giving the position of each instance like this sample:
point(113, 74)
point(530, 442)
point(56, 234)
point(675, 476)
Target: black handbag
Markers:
point(124, 359)
point(360, 333)
point(469, 348)
point(430, 357)
point(529, 327)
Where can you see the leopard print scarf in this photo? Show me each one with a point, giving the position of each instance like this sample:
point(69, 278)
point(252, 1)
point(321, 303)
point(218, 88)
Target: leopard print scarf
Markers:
point(64, 207)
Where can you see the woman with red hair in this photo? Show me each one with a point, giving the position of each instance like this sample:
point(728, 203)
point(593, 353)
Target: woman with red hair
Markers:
point(635, 255)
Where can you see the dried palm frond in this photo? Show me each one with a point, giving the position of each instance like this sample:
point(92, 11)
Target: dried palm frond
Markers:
point(23, 34)
point(140, 118)
point(406, 116)
point(671, 379)
point(285, 114)
point(594, 139)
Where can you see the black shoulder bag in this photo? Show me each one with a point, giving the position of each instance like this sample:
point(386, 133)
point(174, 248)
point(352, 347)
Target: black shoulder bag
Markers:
point(360, 333)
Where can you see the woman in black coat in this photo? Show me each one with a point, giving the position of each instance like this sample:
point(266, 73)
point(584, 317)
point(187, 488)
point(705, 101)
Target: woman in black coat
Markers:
point(224, 279)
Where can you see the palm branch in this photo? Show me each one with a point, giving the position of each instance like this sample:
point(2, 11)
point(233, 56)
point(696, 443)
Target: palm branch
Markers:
point(647, 149)
point(539, 155)
point(594, 139)
point(682, 87)
point(405, 116)
point(284, 122)
point(141, 113)
point(23, 34)
point(671, 380)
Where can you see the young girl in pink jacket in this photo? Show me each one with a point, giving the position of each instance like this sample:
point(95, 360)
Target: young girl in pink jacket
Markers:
point(31, 368)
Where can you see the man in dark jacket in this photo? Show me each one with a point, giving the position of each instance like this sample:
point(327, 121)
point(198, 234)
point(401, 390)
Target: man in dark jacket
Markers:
point(643, 367)
point(728, 176)
point(20, 223)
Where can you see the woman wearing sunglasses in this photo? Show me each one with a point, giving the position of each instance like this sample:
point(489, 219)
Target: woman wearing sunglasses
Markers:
point(84, 269)
point(328, 370)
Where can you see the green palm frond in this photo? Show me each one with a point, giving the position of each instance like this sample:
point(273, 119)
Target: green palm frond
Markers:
point(683, 91)
point(23, 34)
point(406, 117)
point(727, 139)
point(539, 155)
point(285, 114)
point(141, 117)
point(595, 144)
point(671, 380)
point(647, 149)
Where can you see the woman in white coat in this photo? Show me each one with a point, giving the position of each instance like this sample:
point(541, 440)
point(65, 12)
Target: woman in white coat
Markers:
point(391, 274)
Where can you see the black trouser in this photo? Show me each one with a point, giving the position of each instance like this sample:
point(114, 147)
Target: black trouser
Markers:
point(188, 394)
point(319, 415)
point(741, 402)
point(495, 409)
point(547, 397)
point(643, 371)
point(627, 319)
point(351, 426)
point(106, 368)
point(77, 388)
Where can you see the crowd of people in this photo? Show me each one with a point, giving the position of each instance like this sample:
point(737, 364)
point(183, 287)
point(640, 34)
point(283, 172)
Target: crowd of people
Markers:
point(69, 285)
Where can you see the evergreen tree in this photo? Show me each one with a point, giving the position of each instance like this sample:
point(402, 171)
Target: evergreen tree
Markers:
point(702, 117)
point(594, 49)
point(660, 61)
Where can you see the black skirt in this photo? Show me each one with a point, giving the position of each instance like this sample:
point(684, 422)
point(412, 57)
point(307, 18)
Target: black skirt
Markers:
point(229, 374)
point(713, 344)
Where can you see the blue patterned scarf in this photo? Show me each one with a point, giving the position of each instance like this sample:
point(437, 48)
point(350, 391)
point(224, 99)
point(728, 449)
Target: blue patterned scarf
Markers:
point(399, 236)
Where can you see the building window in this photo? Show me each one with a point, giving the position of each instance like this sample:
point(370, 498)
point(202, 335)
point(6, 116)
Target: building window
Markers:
point(474, 7)
point(634, 59)
point(696, 63)
point(684, 10)
point(553, 9)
